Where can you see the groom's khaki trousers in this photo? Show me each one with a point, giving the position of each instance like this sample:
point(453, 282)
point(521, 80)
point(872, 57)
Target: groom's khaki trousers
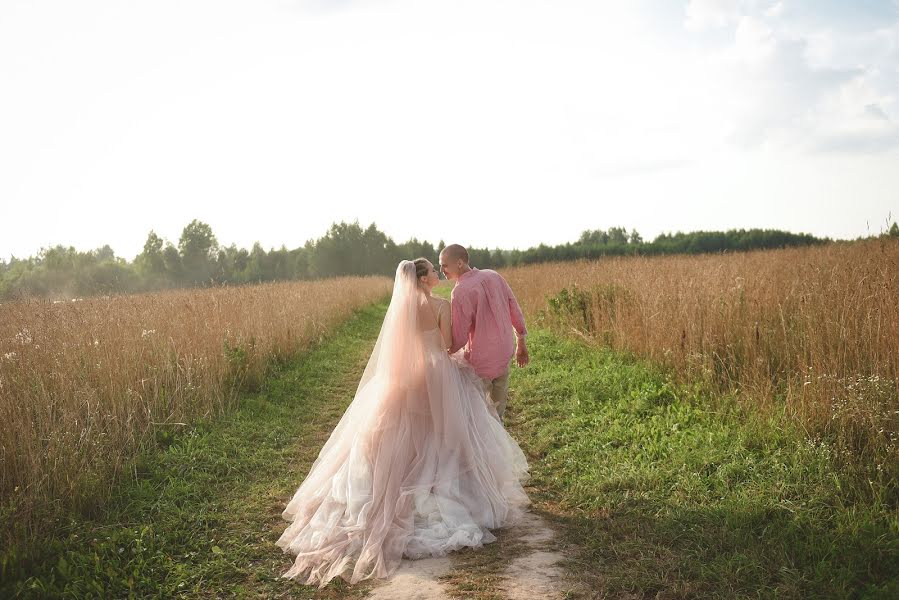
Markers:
point(498, 393)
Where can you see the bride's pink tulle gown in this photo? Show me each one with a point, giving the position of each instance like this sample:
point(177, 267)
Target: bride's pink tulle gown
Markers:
point(418, 465)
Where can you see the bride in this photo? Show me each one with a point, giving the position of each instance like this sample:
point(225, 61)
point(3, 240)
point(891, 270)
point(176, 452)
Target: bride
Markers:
point(419, 464)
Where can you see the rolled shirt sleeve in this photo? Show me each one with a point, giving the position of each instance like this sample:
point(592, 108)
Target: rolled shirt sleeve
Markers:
point(515, 312)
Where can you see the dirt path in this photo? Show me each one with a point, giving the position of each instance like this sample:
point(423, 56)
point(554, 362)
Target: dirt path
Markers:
point(536, 573)
point(416, 580)
point(532, 571)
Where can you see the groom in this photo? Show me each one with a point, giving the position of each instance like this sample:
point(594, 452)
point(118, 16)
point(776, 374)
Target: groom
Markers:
point(485, 316)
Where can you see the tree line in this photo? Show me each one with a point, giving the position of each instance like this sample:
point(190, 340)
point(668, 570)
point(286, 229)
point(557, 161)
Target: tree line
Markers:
point(345, 249)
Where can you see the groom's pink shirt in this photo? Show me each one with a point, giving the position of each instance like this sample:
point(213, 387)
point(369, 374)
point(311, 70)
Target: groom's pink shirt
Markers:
point(485, 312)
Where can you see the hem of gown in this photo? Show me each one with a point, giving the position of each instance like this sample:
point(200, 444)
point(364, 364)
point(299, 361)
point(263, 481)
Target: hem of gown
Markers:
point(321, 573)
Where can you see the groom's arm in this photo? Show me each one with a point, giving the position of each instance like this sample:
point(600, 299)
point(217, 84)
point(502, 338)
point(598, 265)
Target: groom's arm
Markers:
point(515, 312)
point(521, 349)
point(462, 316)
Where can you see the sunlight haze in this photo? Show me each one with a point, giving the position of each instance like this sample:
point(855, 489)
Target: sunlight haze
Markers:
point(490, 123)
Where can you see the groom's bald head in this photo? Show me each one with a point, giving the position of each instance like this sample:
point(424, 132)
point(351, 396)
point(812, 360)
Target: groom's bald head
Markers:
point(455, 252)
point(454, 261)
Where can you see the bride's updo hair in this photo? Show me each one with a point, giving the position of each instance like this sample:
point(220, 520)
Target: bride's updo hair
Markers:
point(421, 268)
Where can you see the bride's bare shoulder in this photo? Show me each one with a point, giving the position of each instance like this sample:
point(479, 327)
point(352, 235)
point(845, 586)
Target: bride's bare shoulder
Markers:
point(438, 303)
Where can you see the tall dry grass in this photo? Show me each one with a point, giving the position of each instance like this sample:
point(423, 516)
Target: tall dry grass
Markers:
point(84, 384)
point(813, 332)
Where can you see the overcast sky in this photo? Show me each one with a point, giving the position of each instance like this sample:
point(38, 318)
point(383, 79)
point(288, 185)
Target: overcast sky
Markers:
point(487, 123)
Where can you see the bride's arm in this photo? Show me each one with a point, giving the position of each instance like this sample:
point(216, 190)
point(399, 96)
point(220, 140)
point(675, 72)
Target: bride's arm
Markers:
point(445, 320)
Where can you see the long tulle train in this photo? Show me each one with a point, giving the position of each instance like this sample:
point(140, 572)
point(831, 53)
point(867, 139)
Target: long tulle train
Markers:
point(418, 466)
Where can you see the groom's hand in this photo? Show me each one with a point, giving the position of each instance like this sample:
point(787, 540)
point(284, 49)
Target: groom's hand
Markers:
point(521, 354)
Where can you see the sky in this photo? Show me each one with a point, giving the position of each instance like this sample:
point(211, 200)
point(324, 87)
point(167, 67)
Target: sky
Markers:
point(487, 123)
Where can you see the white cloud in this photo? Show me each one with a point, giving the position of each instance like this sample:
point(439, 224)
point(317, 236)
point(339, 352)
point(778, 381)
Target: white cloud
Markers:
point(804, 90)
point(710, 14)
point(853, 119)
point(775, 10)
point(874, 111)
point(753, 40)
point(819, 48)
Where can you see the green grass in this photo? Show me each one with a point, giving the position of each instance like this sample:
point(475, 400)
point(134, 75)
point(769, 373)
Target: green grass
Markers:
point(666, 498)
point(203, 515)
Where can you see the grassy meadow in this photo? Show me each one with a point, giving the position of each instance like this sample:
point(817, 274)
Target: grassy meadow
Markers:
point(811, 334)
point(671, 468)
point(200, 517)
point(665, 491)
point(85, 384)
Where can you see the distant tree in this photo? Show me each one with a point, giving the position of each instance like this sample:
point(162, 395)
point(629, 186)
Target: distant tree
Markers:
point(299, 259)
point(337, 252)
point(894, 230)
point(256, 270)
point(480, 258)
point(617, 235)
point(346, 249)
point(279, 264)
point(57, 258)
point(108, 277)
point(376, 252)
point(239, 258)
point(196, 240)
point(198, 249)
point(174, 268)
point(104, 253)
point(150, 262)
point(594, 238)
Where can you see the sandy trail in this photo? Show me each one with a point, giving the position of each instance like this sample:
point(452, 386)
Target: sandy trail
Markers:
point(533, 575)
point(416, 580)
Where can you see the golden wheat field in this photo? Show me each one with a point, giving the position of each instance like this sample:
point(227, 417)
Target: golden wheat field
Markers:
point(84, 383)
point(813, 332)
